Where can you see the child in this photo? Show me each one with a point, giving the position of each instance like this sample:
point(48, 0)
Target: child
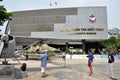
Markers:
point(90, 60)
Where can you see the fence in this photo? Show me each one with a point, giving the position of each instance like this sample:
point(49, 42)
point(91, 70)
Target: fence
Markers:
point(58, 59)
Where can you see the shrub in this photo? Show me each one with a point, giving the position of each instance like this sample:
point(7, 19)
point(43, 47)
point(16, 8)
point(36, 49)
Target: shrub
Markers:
point(79, 53)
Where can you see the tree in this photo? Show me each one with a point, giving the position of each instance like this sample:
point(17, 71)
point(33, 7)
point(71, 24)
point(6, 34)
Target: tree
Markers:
point(111, 43)
point(118, 44)
point(4, 15)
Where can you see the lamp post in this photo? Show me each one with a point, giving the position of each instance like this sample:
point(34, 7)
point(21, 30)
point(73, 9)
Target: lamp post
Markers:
point(71, 52)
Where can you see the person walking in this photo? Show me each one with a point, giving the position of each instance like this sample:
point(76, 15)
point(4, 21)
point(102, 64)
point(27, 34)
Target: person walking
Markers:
point(44, 59)
point(111, 60)
point(90, 61)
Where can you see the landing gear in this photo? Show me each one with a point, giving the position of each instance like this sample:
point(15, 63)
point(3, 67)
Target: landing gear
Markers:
point(5, 62)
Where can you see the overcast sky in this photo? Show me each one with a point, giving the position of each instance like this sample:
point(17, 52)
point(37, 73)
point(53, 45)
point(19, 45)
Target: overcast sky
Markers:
point(113, 7)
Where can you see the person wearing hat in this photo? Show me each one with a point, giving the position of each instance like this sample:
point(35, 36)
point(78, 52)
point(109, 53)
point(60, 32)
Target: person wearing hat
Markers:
point(44, 59)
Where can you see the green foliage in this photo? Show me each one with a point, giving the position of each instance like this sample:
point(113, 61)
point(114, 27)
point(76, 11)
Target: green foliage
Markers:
point(67, 51)
point(4, 15)
point(79, 53)
point(111, 43)
point(118, 43)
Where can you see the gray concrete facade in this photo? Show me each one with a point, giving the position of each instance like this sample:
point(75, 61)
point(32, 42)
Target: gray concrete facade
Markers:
point(81, 23)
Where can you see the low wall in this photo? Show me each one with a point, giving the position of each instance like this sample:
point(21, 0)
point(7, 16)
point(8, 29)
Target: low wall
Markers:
point(68, 56)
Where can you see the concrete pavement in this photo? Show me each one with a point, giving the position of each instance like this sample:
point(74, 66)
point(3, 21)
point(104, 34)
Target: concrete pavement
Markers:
point(75, 69)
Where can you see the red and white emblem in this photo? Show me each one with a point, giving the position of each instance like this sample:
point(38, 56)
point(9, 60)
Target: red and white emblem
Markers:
point(92, 18)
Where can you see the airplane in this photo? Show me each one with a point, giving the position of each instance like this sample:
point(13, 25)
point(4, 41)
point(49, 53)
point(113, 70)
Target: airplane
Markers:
point(7, 44)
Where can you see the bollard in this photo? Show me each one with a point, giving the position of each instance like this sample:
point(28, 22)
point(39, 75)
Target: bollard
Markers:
point(23, 67)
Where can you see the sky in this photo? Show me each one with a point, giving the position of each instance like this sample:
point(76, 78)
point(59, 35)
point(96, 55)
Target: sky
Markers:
point(113, 11)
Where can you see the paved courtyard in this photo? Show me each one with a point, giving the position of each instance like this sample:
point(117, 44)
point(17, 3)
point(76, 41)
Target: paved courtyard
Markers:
point(75, 69)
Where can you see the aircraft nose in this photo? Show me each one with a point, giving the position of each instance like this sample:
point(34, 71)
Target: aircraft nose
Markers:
point(4, 37)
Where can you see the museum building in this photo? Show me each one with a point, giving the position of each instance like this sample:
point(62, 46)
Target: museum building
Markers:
point(80, 27)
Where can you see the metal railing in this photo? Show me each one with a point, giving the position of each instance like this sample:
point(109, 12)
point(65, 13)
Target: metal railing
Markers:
point(58, 59)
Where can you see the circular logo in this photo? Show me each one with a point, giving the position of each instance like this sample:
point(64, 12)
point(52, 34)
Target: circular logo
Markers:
point(92, 19)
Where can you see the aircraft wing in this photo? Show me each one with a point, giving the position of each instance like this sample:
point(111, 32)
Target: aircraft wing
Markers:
point(29, 40)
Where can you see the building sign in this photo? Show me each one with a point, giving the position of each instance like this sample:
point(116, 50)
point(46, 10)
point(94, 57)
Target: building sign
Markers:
point(81, 31)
